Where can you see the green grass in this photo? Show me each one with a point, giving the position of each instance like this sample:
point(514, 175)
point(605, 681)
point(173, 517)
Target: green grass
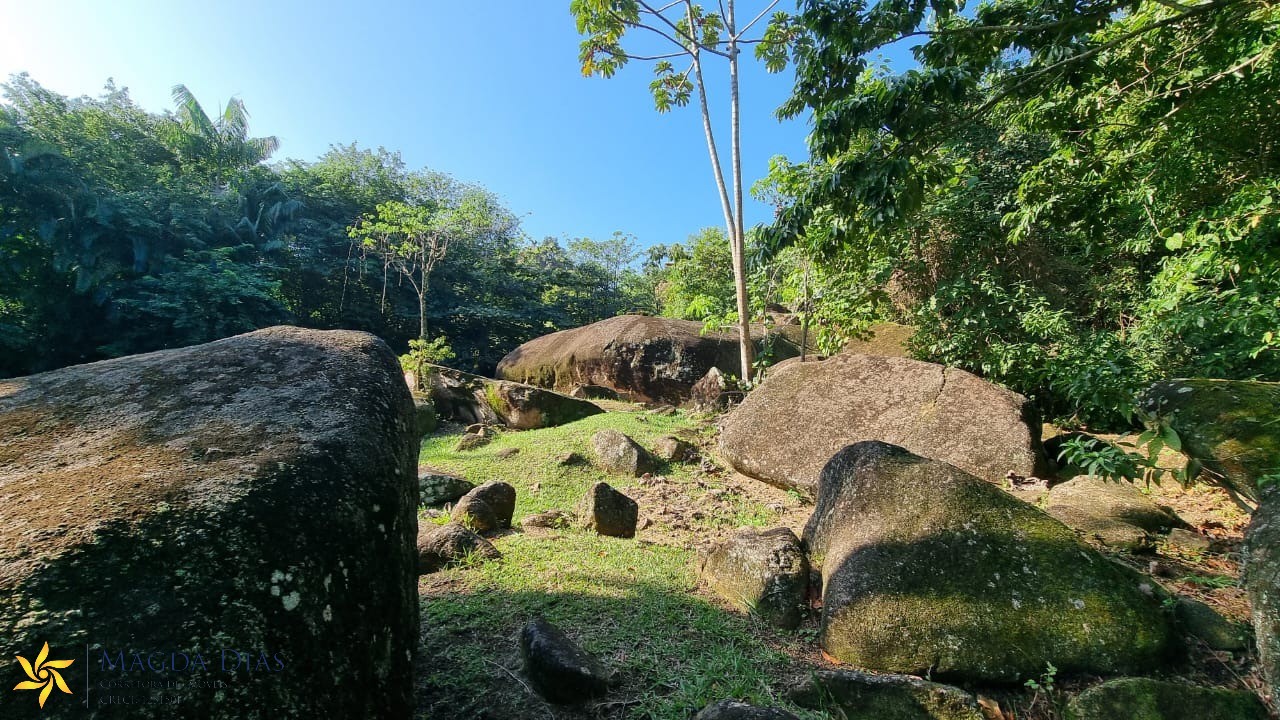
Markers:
point(633, 604)
point(561, 487)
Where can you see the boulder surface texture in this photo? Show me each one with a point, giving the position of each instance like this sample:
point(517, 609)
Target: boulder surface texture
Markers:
point(1147, 699)
point(927, 569)
point(787, 429)
point(1230, 428)
point(648, 359)
point(251, 501)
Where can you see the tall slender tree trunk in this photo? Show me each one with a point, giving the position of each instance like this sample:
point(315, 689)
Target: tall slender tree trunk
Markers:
point(422, 312)
point(740, 286)
point(738, 239)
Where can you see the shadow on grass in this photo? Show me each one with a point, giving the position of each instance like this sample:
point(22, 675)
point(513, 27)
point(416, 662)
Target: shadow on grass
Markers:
point(670, 652)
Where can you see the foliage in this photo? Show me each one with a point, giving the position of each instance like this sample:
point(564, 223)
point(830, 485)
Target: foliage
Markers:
point(692, 33)
point(1122, 461)
point(435, 351)
point(123, 231)
point(1068, 199)
point(697, 283)
point(412, 237)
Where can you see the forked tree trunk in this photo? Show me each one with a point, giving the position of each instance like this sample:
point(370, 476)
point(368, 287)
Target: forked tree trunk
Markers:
point(730, 217)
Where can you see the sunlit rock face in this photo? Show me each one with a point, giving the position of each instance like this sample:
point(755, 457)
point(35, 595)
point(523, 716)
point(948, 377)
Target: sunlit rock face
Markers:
point(232, 523)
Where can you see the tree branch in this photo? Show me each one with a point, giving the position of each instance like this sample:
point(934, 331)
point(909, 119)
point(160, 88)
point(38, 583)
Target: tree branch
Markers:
point(629, 56)
point(675, 28)
point(755, 20)
point(1023, 82)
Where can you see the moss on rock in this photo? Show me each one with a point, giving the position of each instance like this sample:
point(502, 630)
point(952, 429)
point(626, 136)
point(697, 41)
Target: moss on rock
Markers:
point(929, 569)
point(251, 495)
point(1146, 699)
point(884, 697)
point(1232, 427)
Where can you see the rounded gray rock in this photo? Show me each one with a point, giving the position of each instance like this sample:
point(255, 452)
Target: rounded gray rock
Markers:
point(442, 545)
point(761, 571)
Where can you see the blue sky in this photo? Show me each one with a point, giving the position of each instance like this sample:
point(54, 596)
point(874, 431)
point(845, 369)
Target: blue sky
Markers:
point(489, 92)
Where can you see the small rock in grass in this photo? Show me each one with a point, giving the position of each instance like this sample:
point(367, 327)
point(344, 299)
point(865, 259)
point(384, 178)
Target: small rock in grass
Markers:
point(561, 671)
point(570, 458)
point(763, 572)
point(437, 488)
point(475, 514)
point(618, 453)
point(443, 545)
point(865, 695)
point(505, 453)
point(673, 449)
point(734, 710)
point(554, 519)
point(609, 512)
point(471, 441)
point(487, 507)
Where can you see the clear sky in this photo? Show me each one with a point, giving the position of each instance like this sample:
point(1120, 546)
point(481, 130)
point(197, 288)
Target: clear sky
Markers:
point(489, 92)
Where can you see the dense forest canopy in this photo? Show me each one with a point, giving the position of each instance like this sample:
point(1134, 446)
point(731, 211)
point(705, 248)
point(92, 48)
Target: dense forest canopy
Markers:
point(126, 231)
point(1072, 199)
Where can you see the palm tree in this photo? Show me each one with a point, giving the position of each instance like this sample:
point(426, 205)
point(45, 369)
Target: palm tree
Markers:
point(223, 144)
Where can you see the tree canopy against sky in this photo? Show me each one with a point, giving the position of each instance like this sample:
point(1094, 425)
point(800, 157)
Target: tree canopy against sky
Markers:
point(1072, 199)
point(533, 131)
point(123, 231)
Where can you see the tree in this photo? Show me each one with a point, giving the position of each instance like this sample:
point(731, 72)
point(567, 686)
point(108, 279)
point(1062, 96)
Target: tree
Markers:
point(695, 33)
point(1071, 199)
point(698, 283)
point(221, 144)
point(412, 237)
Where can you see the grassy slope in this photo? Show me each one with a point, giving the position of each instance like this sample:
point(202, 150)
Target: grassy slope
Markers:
point(634, 603)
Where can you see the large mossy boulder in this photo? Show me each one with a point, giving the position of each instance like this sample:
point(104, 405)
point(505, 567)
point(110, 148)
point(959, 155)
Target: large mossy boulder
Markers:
point(250, 501)
point(786, 429)
point(647, 359)
point(1230, 428)
point(1147, 699)
point(928, 569)
point(470, 398)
